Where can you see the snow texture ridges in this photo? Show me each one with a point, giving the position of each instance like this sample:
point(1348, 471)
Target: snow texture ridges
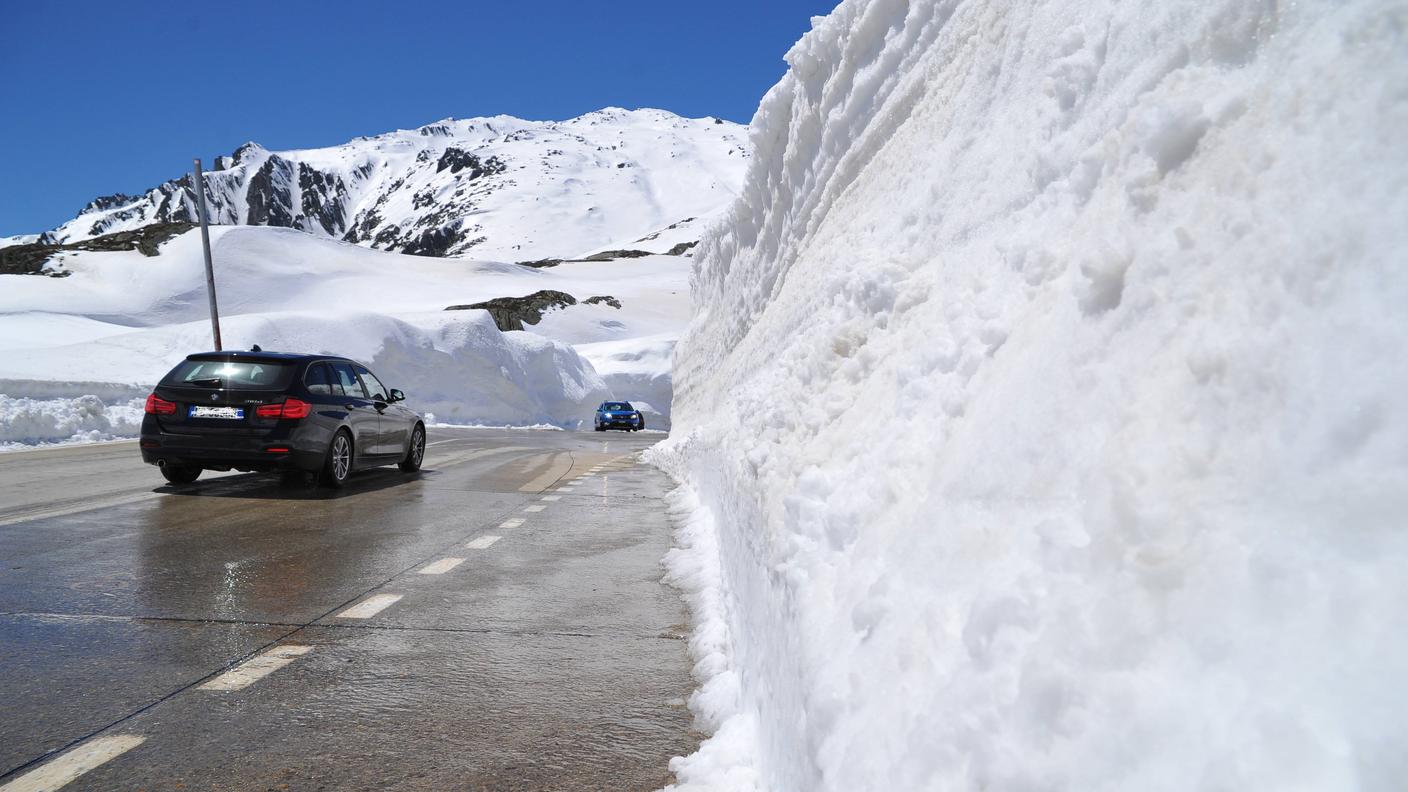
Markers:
point(1043, 406)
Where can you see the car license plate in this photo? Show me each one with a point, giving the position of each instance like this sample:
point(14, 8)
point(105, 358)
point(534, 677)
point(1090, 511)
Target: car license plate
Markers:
point(228, 413)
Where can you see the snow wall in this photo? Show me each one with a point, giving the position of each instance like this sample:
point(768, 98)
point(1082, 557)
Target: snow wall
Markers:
point(1043, 419)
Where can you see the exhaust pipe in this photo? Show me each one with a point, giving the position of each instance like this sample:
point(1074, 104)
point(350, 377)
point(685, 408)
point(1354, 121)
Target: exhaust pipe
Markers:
point(161, 463)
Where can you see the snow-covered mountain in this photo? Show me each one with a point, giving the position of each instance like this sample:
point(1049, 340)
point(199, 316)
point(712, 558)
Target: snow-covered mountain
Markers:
point(498, 188)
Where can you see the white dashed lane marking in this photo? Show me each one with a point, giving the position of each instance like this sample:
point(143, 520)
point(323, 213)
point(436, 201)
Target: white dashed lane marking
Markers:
point(256, 668)
point(514, 523)
point(566, 489)
point(441, 567)
point(551, 498)
point(66, 767)
point(370, 606)
point(537, 508)
point(483, 542)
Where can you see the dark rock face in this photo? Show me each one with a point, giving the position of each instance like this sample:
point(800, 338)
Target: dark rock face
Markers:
point(541, 263)
point(30, 259)
point(433, 242)
point(177, 204)
point(603, 300)
point(362, 229)
point(244, 151)
point(107, 202)
point(324, 197)
point(458, 159)
point(511, 313)
point(25, 259)
point(270, 195)
point(679, 250)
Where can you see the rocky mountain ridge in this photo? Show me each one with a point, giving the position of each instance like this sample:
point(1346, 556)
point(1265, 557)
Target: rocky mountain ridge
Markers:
point(491, 188)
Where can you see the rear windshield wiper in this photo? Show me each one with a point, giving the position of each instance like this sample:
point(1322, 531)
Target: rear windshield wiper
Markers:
point(212, 382)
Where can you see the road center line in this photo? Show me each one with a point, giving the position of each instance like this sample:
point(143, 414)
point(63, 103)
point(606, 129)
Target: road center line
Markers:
point(566, 489)
point(256, 668)
point(370, 606)
point(68, 766)
point(483, 542)
point(535, 508)
point(514, 523)
point(440, 567)
point(550, 498)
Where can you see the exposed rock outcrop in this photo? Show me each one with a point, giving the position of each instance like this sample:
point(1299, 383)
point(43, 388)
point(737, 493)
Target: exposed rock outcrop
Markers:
point(611, 255)
point(30, 259)
point(511, 313)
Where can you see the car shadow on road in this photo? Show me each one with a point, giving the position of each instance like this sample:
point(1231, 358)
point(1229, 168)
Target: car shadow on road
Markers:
point(265, 486)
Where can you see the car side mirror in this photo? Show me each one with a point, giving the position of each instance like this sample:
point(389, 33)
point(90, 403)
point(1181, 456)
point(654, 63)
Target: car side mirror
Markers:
point(397, 395)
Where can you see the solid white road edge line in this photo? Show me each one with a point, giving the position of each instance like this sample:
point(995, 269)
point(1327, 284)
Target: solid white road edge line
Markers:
point(256, 668)
point(440, 567)
point(369, 607)
point(483, 542)
point(68, 766)
point(514, 523)
point(75, 508)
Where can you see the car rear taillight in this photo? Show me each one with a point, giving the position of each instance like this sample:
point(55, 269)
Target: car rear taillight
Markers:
point(291, 409)
point(159, 406)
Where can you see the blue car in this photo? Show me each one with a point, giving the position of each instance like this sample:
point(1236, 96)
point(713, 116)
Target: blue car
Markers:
point(619, 415)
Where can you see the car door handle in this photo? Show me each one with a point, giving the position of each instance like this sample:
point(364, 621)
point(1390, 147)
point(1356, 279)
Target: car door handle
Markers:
point(351, 406)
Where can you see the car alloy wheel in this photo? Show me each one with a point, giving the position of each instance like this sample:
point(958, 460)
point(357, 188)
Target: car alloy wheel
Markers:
point(341, 457)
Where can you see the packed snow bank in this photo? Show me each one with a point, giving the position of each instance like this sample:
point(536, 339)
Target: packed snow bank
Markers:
point(81, 419)
point(456, 365)
point(1045, 395)
point(38, 412)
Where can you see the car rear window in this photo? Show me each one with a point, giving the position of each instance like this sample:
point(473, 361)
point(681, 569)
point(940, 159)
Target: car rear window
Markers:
point(231, 374)
point(345, 382)
point(318, 379)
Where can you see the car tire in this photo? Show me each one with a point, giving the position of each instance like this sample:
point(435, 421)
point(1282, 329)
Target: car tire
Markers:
point(415, 452)
point(338, 464)
point(180, 474)
point(600, 429)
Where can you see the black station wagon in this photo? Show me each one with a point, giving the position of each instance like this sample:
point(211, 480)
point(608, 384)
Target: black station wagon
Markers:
point(273, 411)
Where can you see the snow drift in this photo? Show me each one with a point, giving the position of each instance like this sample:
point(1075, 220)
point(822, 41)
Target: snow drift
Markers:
point(457, 366)
point(1044, 405)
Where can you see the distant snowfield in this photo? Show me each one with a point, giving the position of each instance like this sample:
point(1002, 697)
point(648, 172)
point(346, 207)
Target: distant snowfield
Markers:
point(1044, 420)
point(126, 318)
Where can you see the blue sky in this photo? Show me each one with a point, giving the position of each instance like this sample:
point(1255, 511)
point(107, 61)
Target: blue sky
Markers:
point(104, 97)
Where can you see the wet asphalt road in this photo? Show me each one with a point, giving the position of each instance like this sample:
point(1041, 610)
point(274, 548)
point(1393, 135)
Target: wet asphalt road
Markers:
point(200, 635)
